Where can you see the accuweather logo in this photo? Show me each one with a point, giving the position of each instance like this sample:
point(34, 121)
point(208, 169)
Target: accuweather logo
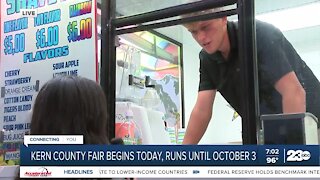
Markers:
point(42, 172)
point(195, 172)
point(298, 155)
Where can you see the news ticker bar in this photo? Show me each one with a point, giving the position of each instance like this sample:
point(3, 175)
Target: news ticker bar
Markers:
point(169, 155)
point(168, 172)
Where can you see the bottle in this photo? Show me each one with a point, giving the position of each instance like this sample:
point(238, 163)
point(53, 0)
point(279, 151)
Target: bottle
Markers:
point(128, 130)
point(129, 139)
point(151, 98)
point(136, 137)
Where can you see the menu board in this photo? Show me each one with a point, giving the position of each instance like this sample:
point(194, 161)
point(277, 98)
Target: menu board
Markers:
point(40, 39)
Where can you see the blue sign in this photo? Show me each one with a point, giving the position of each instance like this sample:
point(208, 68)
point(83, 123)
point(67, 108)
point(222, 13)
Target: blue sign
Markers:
point(169, 155)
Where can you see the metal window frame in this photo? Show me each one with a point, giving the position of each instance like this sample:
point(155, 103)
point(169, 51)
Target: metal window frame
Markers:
point(112, 26)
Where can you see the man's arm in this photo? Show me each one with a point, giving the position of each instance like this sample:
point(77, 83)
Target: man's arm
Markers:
point(200, 117)
point(293, 94)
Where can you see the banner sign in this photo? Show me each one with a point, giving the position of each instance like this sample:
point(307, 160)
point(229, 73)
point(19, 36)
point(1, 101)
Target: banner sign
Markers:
point(168, 155)
point(40, 39)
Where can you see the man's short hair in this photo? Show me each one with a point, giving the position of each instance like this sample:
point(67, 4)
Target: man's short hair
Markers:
point(198, 13)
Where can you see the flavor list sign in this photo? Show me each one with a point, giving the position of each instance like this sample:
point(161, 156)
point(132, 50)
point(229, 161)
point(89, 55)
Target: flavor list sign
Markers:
point(40, 39)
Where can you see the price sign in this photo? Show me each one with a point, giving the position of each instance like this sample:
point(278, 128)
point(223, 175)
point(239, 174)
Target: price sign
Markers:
point(14, 44)
point(38, 42)
point(81, 32)
point(47, 37)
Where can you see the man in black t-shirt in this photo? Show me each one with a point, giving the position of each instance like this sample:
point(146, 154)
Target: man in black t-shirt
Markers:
point(286, 83)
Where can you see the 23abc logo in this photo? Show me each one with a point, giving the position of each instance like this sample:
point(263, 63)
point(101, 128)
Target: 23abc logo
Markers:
point(298, 155)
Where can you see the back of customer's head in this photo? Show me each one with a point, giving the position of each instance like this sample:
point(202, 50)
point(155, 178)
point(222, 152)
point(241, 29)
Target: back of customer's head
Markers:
point(71, 105)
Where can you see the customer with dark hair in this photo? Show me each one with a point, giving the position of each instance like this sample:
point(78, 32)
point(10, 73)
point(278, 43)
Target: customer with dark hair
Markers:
point(71, 105)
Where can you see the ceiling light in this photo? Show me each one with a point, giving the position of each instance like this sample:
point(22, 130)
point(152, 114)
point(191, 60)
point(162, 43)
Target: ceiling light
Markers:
point(293, 18)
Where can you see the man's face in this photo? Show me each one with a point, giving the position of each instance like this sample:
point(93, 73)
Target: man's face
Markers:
point(209, 34)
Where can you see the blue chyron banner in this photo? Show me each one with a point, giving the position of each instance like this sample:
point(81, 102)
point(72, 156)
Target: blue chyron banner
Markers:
point(169, 155)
